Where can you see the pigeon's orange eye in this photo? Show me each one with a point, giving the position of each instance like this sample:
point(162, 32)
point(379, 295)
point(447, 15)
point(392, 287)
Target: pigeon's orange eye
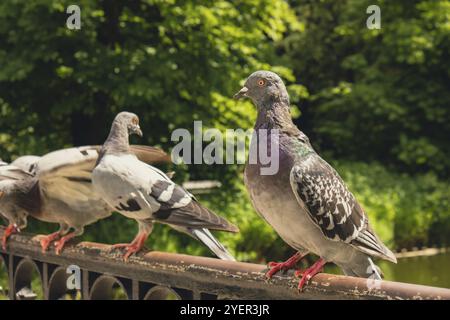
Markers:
point(135, 121)
point(261, 82)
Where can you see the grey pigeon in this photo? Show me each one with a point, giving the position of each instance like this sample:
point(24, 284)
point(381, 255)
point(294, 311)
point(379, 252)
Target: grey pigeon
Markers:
point(306, 201)
point(144, 193)
point(59, 190)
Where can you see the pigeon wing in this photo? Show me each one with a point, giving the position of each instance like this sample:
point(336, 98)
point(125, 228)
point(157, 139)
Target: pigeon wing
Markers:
point(149, 154)
point(147, 189)
point(333, 208)
point(26, 163)
point(10, 172)
point(21, 168)
point(66, 174)
point(179, 207)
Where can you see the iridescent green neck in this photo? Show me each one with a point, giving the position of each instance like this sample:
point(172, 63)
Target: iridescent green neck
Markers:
point(302, 148)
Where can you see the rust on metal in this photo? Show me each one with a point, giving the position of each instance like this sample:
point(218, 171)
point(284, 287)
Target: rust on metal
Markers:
point(193, 277)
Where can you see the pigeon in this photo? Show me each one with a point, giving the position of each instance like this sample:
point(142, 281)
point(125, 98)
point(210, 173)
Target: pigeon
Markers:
point(59, 190)
point(9, 175)
point(144, 193)
point(305, 201)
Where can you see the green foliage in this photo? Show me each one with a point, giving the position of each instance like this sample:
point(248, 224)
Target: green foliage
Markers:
point(172, 62)
point(384, 90)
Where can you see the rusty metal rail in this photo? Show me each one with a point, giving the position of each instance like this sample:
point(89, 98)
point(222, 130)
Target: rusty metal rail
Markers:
point(158, 275)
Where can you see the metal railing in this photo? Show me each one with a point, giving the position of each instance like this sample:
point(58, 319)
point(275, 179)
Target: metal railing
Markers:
point(157, 275)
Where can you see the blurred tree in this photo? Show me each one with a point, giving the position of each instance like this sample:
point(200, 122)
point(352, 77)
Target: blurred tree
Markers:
point(170, 61)
point(376, 94)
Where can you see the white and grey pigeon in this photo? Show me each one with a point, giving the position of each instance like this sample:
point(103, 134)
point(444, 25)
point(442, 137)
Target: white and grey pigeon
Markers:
point(59, 190)
point(144, 193)
point(305, 201)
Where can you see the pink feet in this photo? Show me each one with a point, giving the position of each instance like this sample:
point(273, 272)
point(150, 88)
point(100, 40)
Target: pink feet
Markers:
point(309, 273)
point(288, 264)
point(47, 240)
point(61, 242)
point(135, 246)
point(11, 229)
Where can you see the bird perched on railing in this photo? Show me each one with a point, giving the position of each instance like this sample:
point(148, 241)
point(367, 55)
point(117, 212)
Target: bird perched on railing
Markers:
point(306, 201)
point(59, 190)
point(144, 193)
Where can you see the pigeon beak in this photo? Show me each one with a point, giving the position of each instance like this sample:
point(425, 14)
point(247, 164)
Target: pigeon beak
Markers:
point(241, 93)
point(137, 130)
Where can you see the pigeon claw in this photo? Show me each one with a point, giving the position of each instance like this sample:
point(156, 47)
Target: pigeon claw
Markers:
point(62, 242)
point(290, 263)
point(47, 241)
point(275, 267)
point(307, 274)
point(59, 245)
point(132, 249)
point(135, 246)
point(11, 229)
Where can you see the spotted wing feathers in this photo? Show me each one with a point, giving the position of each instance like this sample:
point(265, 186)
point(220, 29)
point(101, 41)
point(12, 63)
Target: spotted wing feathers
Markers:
point(333, 207)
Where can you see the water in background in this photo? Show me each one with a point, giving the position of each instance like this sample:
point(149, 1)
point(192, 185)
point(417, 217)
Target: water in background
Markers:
point(426, 270)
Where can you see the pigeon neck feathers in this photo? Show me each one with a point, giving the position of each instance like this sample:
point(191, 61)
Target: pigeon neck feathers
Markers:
point(117, 142)
point(275, 114)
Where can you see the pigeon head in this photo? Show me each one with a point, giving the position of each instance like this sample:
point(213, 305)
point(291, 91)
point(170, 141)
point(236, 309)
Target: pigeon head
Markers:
point(264, 88)
point(130, 121)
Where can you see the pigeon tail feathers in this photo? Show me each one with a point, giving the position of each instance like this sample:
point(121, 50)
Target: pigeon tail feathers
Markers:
point(205, 236)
